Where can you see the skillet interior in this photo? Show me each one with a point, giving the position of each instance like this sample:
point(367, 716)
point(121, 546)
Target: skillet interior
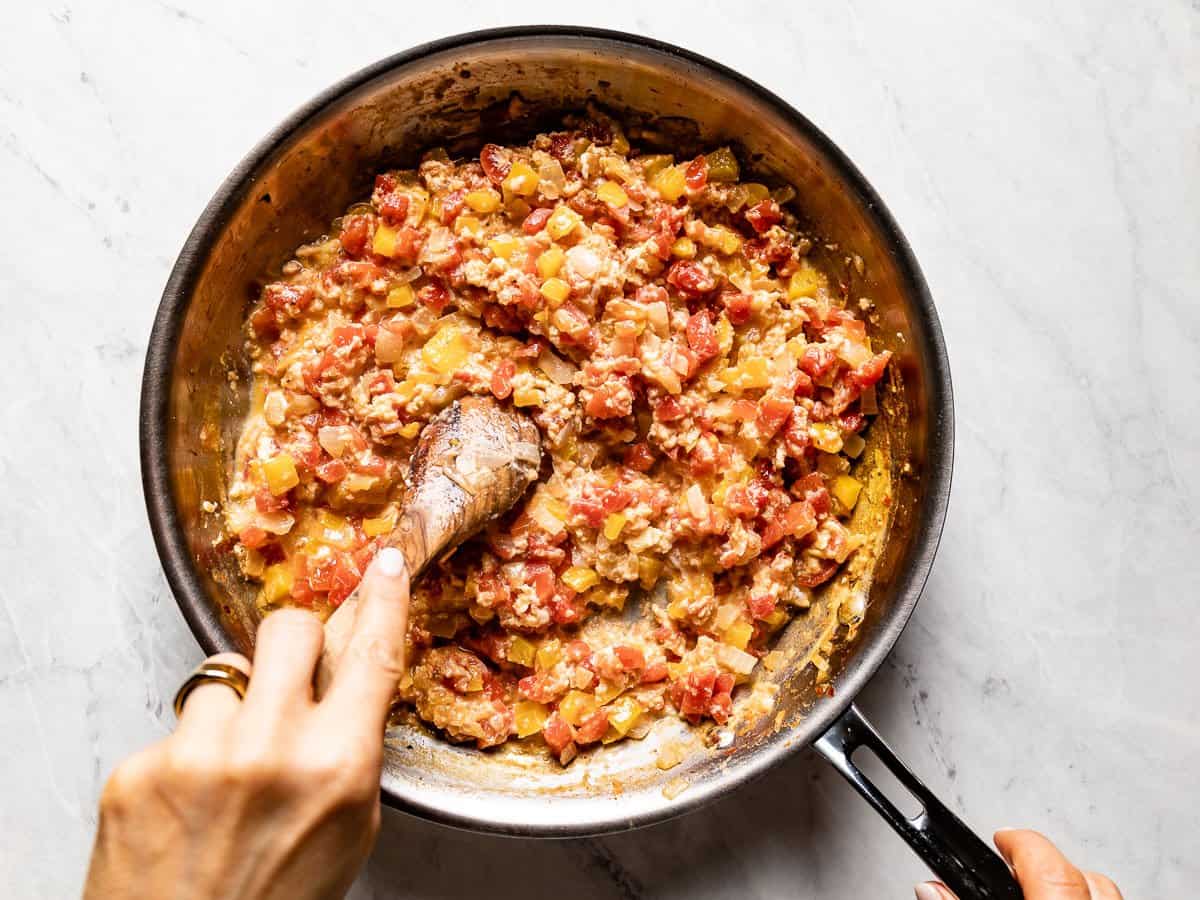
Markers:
point(452, 94)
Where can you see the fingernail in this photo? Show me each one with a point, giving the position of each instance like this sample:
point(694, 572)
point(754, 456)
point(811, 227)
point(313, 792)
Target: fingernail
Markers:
point(927, 891)
point(390, 562)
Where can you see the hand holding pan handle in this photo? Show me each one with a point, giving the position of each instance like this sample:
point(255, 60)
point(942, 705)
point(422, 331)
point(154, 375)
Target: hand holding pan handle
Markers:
point(968, 866)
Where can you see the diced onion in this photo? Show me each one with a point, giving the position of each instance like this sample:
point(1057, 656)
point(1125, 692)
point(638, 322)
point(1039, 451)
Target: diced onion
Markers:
point(389, 346)
point(552, 178)
point(335, 439)
point(726, 616)
point(584, 261)
point(736, 660)
point(556, 368)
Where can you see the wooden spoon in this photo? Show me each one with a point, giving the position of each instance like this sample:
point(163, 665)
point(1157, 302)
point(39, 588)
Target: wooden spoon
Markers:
point(472, 463)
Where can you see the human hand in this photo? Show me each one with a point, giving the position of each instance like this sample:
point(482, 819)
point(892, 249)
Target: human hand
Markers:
point(276, 795)
point(1042, 871)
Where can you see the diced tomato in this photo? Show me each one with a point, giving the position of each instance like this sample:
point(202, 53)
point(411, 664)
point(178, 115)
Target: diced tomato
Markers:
point(382, 382)
point(804, 384)
point(393, 207)
point(577, 651)
point(372, 465)
point(266, 502)
point(654, 673)
point(632, 658)
point(253, 537)
point(536, 220)
point(639, 457)
point(871, 371)
point(289, 298)
point(761, 606)
point(744, 410)
point(589, 510)
point(691, 279)
point(737, 306)
point(853, 421)
point(557, 733)
point(435, 296)
point(501, 383)
point(356, 231)
point(331, 471)
point(669, 410)
point(702, 337)
point(800, 519)
point(495, 162)
point(615, 499)
point(739, 502)
point(720, 708)
point(816, 573)
point(565, 612)
point(705, 456)
point(542, 579)
point(817, 360)
point(773, 412)
point(408, 245)
point(611, 400)
point(452, 205)
point(697, 692)
point(763, 215)
point(696, 174)
point(593, 727)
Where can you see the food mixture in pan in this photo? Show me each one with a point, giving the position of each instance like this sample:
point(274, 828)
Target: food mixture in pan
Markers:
point(700, 384)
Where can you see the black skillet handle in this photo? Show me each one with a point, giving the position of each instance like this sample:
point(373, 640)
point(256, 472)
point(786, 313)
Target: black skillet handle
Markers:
point(957, 855)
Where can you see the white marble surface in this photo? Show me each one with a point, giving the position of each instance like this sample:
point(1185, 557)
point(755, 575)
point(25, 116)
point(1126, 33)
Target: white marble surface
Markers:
point(1043, 159)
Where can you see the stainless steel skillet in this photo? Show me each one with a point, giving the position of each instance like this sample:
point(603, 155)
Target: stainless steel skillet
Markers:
point(489, 86)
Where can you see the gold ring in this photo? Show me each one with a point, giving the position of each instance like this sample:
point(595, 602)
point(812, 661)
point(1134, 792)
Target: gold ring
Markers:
point(220, 673)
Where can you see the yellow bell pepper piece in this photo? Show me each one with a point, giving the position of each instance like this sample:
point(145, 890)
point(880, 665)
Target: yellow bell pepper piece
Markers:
point(612, 193)
point(622, 716)
point(277, 584)
point(580, 578)
point(467, 225)
point(549, 653)
point(485, 201)
point(530, 717)
point(384, 241)
point(503, 246)
point(280, 473)
point(613, 525)
point(562, 222)
point(550, 262)
point(373, 527)
point(521, 180)
point(805, 282)
point(684, 248)
point(401, 296)
point(447, 351)
point(722, 165)
point(576, 706)
point(555, 290)
point(649, 569)
point(655, 163)
point(521, 651)
point(738, 634)
point(670, 183)
point(527, 396)
point(846, 489)
point(825, 437)
point(753, 373)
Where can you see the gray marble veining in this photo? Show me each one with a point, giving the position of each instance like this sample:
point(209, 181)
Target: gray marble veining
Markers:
point(1043, 159)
